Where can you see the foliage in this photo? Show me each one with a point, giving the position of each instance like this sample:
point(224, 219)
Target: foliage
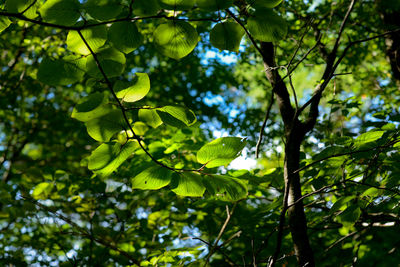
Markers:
point(110, 113)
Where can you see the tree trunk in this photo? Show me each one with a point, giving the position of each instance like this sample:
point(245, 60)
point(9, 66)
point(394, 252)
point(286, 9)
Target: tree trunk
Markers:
point(296, 215)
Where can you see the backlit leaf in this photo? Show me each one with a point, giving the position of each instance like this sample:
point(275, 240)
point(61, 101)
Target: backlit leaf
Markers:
point(136, 90)
point(187, 184)
point(175, 39)
point(267, 26)
point(95, 37)
point(225, 187)
point(42, 190)
point(19, 6)
point(152, 178)
point(125, 36)
point(4, 23)
point(226, 36)
point(104, 127)
point(220, 151)
point(177, 116)
point(109, 156)
point(150, 117)
point(368, 137)
point(91, 107)
point(111, 60)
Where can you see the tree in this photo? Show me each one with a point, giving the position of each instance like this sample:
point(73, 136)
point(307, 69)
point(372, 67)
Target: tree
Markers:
point(109, 110)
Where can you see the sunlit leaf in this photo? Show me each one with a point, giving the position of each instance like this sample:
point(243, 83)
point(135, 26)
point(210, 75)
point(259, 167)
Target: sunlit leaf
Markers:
point(267, 26)
point(95, 37)
point(187, 184)
point(125, 36)
point(136, 90)
point(64, 71)
point(227, 36)
point(176, 4)
point(367, 138)
point(211, 5)
point(104, 127)
point(225, 187)
point(111, 61)
point(177, 116)
point(62, 12)
point(175, 39)
point(42, 190)
point(109, 156)
point(103, 9)
point(91, 107)
point(220, 151)
point(152, 178)
point(19, 6)
point(4, 23)
point(150, 117)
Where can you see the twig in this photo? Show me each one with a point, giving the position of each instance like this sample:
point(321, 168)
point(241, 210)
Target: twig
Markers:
point(215, 245)
point(261, 134)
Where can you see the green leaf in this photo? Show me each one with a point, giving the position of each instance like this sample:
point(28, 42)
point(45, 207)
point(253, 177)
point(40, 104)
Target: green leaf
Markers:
point(368, 137)
point(62, 12)
point(103, 9)
point(19, 6)
point(213, 5)
point(42, 190)
point(152, 178)
point(264, 3)
point(177, 116)
point(177, 4)
point(140, 128)
point(146, 7)
point(91, 107)
point(175, 39)
point(267, 26)
point(187, 184)
point(227, 36)
point(350, 215)
point(104, 127)
point(109, 156)
point(111, 60)
point(125, 36)
point(220, 151)
point(150, 117)
point(4, 23)
point(340, 203)
point(225, 187)
point(64, 71)
point(95, 37)
point(136, 90)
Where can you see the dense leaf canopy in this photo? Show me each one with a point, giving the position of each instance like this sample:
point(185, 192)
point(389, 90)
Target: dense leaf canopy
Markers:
point(199, 132)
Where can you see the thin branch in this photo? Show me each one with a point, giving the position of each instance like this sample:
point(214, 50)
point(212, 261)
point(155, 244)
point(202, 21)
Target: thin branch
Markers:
point(344, 154)
point(261, 134)
point(252, 40)
point(110, 87)
point(222, 230)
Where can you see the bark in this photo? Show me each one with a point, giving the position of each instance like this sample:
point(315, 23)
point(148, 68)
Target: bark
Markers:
point(294, 135)
point(296, 215)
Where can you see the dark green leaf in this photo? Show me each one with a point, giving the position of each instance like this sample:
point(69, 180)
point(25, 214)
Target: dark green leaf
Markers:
point(265, 25)
point(62, 12)
point(111, 60)
point(91, 107)
point(176, 4)
point(103, 9)
point(62, 71)
point(212, 5)
point(177, 116)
